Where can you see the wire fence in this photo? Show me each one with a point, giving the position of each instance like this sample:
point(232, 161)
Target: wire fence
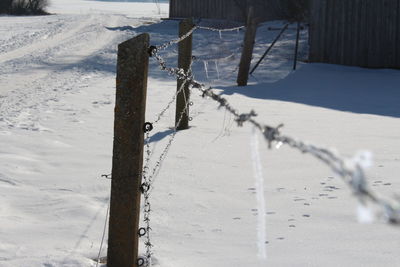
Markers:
point(352, 171)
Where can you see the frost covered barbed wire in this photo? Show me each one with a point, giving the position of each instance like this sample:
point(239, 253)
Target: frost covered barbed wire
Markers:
point(146, 189)
point(176, 41)
point(186, 35)
point(104, 232)
point(221, 30)
point(149, 176)
point(168, 106)
point(351, 171)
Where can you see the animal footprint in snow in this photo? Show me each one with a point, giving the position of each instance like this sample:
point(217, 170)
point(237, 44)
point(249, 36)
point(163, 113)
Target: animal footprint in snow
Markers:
point(101, 103)
point(332, 187)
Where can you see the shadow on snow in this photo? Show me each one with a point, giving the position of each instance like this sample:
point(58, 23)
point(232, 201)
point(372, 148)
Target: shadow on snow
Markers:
point(350, 89)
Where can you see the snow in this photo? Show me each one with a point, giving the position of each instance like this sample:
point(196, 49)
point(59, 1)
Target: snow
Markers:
point(57, 90)
point(261, 210)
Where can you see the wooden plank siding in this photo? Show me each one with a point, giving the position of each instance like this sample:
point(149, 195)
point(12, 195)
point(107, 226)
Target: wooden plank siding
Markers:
point(363, 33)
point(225, 9)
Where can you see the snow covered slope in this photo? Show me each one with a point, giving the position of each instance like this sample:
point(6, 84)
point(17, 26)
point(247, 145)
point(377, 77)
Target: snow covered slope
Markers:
point(57, 90)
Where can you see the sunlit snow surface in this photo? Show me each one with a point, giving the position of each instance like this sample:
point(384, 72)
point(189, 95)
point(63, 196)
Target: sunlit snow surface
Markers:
point(57, 91)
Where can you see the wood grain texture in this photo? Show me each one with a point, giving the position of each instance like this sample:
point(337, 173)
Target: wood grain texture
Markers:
point(127, 163)
point(184, 62)
point(362, 33)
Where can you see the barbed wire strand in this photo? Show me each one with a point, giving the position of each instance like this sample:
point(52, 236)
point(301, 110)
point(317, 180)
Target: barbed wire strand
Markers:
point(221, 30)
point(353, 176)
point(186, 106)
point(147, 188)
point(104, 234)
point(186, 35)
point(148, 179)
point(176, 41)
point(162, 156)
point(168, 106)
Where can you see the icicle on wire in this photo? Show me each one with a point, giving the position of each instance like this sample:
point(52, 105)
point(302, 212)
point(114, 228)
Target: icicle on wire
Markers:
point(221, 30)
point(186, 35)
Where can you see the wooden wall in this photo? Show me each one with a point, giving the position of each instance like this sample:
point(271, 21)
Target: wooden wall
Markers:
point(224, 9)
point(363, 33)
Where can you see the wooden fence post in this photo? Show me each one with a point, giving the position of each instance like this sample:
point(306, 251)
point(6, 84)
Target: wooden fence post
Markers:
point(184, 62)
point(247, 52)
point(127, 163)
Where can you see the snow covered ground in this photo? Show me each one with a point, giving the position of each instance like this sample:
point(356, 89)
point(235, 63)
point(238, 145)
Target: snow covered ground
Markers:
point(57, 90)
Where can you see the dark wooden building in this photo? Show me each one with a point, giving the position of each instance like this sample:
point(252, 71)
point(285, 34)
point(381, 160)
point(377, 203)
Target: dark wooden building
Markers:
point(363, 33)
point(235, 10)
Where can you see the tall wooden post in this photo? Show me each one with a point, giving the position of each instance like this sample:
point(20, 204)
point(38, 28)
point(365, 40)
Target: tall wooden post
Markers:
point(184, 62)
point(127, 163)
point(248, 46)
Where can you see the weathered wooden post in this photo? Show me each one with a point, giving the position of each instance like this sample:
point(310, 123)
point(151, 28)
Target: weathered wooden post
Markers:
point(248, 45)
point(127, 163)
point(184, 62)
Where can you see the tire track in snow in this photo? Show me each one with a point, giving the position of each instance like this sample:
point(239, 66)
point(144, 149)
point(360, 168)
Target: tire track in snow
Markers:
point(34, 97)
point(16, 33)
point(44, 44)
point(36, 85)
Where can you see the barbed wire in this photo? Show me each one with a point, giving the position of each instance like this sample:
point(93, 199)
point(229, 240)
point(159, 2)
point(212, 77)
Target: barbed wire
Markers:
point(176, 41)
point(220, 58)
point(353, 175)
point(147, 187)
point(148, 178)
point(169, 104)
point(103, 234)
point(189, 33)
point(221, 30)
